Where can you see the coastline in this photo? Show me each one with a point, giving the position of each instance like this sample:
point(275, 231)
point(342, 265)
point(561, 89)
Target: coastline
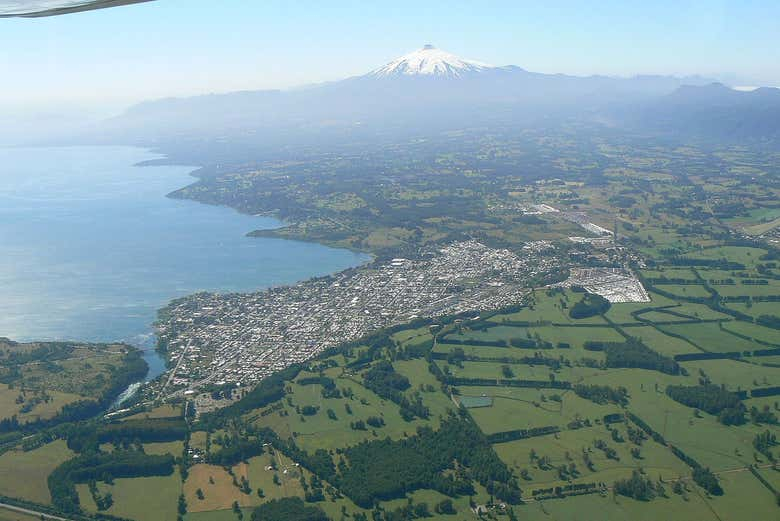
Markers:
point(146, 341)
point(158, 349)
point(268, 233)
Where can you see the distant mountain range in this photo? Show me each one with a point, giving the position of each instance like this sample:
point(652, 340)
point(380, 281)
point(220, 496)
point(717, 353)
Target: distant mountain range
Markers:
point(712, 111)
point(433, 89)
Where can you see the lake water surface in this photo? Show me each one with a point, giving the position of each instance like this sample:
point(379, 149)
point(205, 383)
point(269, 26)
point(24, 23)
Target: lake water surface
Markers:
point(90, 247)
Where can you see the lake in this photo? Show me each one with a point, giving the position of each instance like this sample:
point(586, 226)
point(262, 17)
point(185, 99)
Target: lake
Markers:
point(90, 247)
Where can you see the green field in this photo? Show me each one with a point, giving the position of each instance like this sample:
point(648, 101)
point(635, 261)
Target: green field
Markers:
point(23, 474)
point(710, 337)
point(13, 400)
point(138, 498)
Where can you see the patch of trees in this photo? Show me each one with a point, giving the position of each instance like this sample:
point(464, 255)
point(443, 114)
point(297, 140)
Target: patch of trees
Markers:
point(324, 381)
point(102, 467)
point(765, 391)
point(288, 509)
point(732, 416)
point(387, 469)
point(766, 352)
point(376, 342)
point(445, 507)
point(646, 428)
point(719, 307)
point(269, 390)
point(528, 219)
point(472, 342)
point(590, 306)
point(690, 357)
point(375, 421)
point(145, 430)
point(712, 399)
point(383, 379)
point(731, 355)
point(220, 392)
point(573, 489)
point(763, 415)
point(602, 394)
point(529, 343)
point(45, 351)
point(457, 355)
point(489, 382)
point(242, 450)
point(633, 353)
point(13, 436)
point(319, 463)
point(594, 345)
point(418, 350)
point(721, 264)
point(101, 502)
point(309, 410)
point(608, 451)
point(407, 512)
point(89, 436)
point(676, 281)
point(622, 201)
point(750, 298)
point(764, 442)
point(521, 434)
point(638, 487)
point(707, 480)
point(685, 458)
point(772, 321)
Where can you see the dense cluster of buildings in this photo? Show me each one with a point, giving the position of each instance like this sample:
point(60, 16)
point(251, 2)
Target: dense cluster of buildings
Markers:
point(614, 284)
point(241, 338)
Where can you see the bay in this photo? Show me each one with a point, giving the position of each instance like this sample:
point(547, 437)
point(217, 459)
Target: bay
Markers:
point(90, 247)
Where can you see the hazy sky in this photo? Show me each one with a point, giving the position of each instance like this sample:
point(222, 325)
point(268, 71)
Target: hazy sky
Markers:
point(181, 47)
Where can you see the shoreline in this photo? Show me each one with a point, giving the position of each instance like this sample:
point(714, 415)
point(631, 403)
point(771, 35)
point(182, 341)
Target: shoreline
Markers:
point(267, 233)
point(146, 341)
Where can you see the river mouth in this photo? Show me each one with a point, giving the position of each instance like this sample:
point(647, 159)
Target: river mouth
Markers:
point(93, 247)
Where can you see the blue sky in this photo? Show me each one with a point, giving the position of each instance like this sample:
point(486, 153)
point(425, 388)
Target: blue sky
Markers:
point(182, 47)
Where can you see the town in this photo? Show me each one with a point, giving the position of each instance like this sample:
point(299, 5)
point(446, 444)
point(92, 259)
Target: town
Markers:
point(241, 338)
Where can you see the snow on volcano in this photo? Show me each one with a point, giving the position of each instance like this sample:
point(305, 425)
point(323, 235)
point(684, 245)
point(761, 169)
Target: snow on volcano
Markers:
point(429, 61)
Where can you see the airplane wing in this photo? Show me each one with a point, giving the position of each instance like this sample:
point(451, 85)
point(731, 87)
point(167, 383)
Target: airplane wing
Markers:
point(37, 8)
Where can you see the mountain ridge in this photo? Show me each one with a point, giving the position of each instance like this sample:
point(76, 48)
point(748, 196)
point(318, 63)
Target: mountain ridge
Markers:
point(426, 90)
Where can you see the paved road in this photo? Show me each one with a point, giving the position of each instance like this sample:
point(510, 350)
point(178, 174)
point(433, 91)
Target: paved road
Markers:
point(31, 512)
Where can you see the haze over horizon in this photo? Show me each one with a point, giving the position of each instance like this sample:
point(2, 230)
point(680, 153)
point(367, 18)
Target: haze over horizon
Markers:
point(178, 48)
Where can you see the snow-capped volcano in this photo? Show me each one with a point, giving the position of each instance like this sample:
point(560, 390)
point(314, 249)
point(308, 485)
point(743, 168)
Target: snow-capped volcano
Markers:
point(425, 89)
point(429, 61)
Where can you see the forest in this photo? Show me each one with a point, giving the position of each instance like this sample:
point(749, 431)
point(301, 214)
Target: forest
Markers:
point(712, 399)
point(387, 469)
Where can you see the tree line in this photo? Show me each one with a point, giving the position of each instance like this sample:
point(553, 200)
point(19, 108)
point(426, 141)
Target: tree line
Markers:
point(102, 467)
